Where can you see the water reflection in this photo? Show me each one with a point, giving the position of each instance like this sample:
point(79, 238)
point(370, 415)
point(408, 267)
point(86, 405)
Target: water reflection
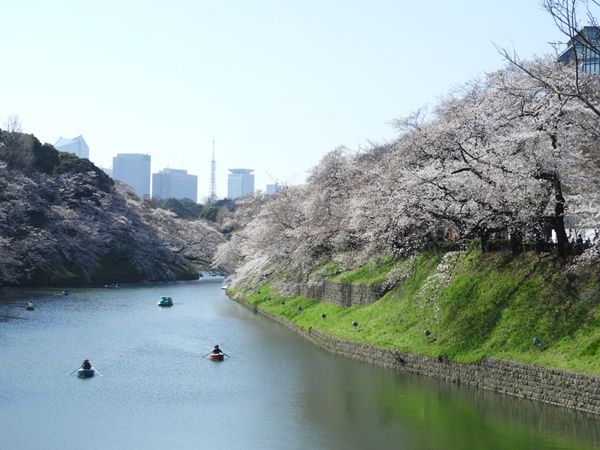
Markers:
point(277, 391)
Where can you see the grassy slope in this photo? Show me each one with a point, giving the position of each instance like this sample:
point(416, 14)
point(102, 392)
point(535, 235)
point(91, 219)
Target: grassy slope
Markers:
point(474, 306)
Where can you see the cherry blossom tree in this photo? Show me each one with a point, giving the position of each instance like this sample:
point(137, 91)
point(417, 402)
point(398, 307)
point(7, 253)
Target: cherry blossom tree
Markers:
point(502, 154)
point(62, 217)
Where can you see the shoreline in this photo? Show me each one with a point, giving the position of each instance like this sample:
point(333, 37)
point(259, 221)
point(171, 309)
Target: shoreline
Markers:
point(557, 387)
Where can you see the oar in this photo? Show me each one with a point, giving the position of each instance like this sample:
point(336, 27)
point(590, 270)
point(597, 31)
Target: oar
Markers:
point(73, 372)
point(99, 374)
point(227, 355)
point(206, 355)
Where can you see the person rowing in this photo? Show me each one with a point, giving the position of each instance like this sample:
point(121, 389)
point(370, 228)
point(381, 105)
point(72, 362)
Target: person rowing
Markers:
point(216, 354)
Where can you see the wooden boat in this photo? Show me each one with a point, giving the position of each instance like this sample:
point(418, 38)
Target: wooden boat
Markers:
point(111, 286)
point(165, 301)
point(216, 357)
point(86, 373)
point(29, 308)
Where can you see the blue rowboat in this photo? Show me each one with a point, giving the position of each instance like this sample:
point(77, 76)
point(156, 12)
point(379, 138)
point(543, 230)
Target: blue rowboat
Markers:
point(165, 301)
point(86, 373)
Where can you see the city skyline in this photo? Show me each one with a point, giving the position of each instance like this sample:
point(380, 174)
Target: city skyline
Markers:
point(277, 85)
point(78, 146)
point(135, 169)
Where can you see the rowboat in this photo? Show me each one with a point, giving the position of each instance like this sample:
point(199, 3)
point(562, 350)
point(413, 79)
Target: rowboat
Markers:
point(29, 306)
point(86, 373)
point(165, 301)
point(216, 357)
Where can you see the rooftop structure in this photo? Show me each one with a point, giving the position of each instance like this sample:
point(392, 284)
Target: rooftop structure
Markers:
point(584, 50)
point(77, 146)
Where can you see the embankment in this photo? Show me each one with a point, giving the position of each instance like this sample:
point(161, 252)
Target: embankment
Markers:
point(557, 387)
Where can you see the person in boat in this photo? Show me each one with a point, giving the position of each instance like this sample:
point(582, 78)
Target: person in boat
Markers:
point(217, 350)
point(30, 305)
point(86, 364)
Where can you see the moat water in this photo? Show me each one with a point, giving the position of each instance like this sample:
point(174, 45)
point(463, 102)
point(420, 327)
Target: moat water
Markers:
point(274, 391)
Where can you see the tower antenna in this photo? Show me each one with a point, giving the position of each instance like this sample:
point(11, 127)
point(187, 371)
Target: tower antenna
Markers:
point(212, 193)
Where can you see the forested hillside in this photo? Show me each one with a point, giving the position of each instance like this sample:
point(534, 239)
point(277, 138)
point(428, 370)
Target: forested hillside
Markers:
point(63, 220)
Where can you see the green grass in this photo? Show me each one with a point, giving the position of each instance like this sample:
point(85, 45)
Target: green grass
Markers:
point(474, 305)
point(372, 273)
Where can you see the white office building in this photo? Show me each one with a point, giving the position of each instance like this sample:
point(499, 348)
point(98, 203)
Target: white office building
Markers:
point(134, 170)
point(240, 182)
point(174, 183)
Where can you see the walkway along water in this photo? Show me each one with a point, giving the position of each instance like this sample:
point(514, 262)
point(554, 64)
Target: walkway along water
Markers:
point(557, 387)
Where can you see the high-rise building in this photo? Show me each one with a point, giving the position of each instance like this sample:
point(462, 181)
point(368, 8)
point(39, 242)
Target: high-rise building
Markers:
point(240, 182)
point(174, 183)
point(134, 170)
point(584, 48)
point(77, 146)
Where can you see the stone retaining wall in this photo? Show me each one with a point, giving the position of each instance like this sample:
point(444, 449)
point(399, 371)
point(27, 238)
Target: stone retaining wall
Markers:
point(581, 392)
point(342, 294)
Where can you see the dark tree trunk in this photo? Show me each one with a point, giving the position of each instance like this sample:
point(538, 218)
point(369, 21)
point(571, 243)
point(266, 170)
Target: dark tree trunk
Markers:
point(516, 242)
point(485, 236)
point(559, 219)
point(559, 212)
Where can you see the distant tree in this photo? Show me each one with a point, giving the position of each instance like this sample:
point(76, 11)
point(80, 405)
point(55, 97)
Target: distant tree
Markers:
point(46, 158)
point(222, 218)
point(227, 202)
point(175, 206)
point(195, 209)
point(16, 150)
point(210, 213)
point(70, 164)
point(184, 208)
point(12, 124)
point(25, 152)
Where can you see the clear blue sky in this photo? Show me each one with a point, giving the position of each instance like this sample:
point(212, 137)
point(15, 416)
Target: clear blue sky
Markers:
point(278, 83)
